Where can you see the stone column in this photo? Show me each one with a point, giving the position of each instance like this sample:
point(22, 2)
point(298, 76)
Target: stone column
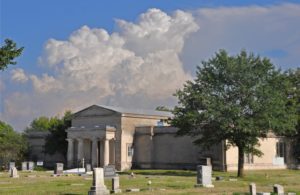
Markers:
point(106, 152)
point(70, 157)
point(80, 149)
point(94, 152)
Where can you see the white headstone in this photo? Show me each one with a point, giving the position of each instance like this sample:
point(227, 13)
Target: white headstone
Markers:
point(278, 189)
point(252, 189)
point(98, 187)
point(115, 185)
point(204, 176)
point(14, 172)
point(11, 165)
point(24, 166)
point(30, 166)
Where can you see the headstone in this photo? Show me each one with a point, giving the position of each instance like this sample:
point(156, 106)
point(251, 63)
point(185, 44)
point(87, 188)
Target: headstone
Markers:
point(59, 168)
point(24, 166)
point(39, 163)
point(30, 166)
point(219, 178)
point(11, 165)
point(204, 176)
point(278, 189)
point(98, 187)
point(109, 171)
point(14, 172)
point(115, 185)
point(252, 189)
point(88, 167)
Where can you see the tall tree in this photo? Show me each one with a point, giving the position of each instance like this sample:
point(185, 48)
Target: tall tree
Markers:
point(12, 144)
point(40, 124)
point(234, 98)
point(8, 52)
point(56, 140)
point(294, 96)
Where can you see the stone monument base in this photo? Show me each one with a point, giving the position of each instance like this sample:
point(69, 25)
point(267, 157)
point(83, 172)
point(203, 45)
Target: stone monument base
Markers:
point(205, 186)
point(98, 191)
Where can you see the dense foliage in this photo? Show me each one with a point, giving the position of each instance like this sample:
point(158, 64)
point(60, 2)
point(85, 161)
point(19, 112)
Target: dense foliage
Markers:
point(8, 52)
point(12, 144)
point(294, 96)
point(56, 139)
point(235, 98)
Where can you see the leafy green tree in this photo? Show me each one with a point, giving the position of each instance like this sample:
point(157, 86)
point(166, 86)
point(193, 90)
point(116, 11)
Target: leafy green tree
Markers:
point(13, 145)
point(235, 98)
point(40, 124)
point(8, 52)
point(294, 96)
point(56, 140)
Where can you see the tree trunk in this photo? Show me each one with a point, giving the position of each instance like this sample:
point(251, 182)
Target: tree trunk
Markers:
point(241, 162)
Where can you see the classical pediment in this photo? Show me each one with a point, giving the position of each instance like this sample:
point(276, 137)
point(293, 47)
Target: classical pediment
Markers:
point(94, 110)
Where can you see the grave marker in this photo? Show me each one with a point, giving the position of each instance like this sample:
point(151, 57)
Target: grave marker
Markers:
point(24, 166)
point(115, 185)
point(14, 172)
point(204, 176)
point(252, 189)
point(98, 187)
point(11, 165)
point(59, 169)
point(109, 171)
point(30, 166)
point(278, 189)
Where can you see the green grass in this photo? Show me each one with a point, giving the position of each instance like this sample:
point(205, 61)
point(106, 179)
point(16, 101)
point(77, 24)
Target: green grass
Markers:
point(163, 182)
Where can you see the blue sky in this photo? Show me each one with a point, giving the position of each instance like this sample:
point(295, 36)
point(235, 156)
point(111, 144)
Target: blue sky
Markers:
point(49, 29)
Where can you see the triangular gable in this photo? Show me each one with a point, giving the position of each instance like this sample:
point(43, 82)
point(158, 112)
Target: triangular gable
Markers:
point(94, 110)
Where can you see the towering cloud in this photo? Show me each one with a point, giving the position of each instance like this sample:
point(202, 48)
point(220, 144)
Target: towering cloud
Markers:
point(137, 66)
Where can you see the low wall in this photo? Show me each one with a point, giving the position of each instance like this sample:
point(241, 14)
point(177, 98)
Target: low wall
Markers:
point(160, 148)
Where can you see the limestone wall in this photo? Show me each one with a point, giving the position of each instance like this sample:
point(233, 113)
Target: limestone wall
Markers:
point(267, 161)
point(128, 125)
point(157, 147)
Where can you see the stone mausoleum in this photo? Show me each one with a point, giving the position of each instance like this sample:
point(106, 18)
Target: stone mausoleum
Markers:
point(105, 135)
point(127, 138)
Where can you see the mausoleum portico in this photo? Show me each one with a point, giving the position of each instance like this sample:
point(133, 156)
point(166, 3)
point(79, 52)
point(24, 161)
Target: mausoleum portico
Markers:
point(96, 145)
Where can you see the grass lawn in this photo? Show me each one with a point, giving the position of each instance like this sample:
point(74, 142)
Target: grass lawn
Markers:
point(163, 182)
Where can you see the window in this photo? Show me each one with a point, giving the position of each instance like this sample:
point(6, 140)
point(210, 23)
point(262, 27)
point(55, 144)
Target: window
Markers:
point(280, 149)
point(129, 150)
point(248, 158)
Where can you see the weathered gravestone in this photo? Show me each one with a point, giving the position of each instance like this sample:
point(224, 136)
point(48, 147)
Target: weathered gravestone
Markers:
point(109, 171)
point(59, 168)
point(88, 167)
point(11, 165)
point(115, 185)
point(30, 166)
point(24, 166)
point(278, 189)
point(14, 172)
point(252, 189)
point(98, 187)
point(204, 176)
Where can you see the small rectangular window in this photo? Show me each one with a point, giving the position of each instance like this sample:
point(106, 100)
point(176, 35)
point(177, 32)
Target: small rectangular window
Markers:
point(129, 150)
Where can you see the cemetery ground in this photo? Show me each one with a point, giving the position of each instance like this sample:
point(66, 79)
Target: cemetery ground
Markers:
point(162, 182)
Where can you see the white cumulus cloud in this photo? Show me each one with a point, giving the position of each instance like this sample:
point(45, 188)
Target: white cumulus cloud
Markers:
point(18, 75)
point(136, 66)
